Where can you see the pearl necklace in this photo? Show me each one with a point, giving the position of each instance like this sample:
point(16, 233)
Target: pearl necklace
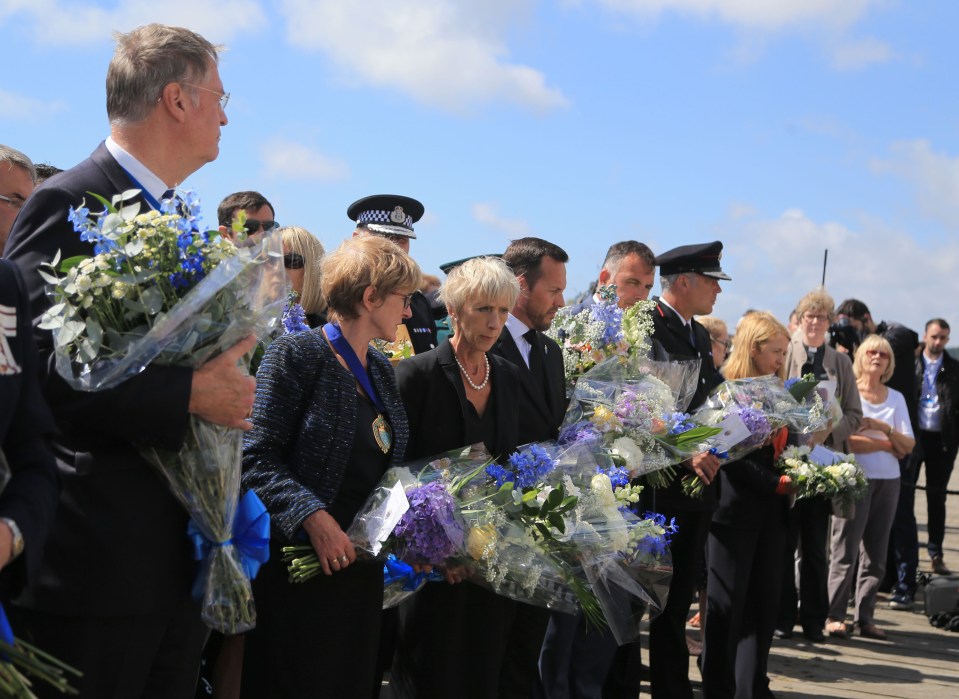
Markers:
point(475, 387)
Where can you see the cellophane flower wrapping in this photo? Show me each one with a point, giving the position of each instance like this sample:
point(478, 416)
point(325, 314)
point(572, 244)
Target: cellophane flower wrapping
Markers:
point(623, 555)
point(22, 664)
point(627, 409)
point(160, 290)
point(750, 410)
point(823, 472)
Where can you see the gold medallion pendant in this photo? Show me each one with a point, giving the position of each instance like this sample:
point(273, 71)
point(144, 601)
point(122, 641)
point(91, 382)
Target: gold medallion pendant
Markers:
point(382, 434)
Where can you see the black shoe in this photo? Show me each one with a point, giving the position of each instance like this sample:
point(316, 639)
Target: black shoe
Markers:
point(939, 567)
point(782, 634)
point(814, 635)
point(901, 600)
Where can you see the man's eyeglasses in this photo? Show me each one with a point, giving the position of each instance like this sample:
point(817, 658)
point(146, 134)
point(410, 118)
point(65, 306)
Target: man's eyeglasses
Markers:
point(815, 317)
point(882, 354)
point(407, 298)
point(252, 225)
point(292, 260)
point(224, 97)
point(15, 201)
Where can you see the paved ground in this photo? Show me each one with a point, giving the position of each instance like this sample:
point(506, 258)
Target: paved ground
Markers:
point(918, 661)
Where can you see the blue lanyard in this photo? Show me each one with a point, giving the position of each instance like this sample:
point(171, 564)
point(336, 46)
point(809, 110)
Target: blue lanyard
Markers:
point(343, 348)
point(151, 200)
point(929, 379)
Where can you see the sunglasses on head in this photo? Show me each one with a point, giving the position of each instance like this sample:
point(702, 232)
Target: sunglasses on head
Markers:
point(252, 225)
point(292, 260)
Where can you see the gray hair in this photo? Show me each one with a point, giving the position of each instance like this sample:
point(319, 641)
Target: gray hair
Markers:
point(620, 251)
point(667, 280)
point(17, 159)
point(481, 277)
point(148, 59)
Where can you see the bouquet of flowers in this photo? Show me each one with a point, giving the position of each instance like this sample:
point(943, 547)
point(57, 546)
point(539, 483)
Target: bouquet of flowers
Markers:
point(18, 659)
point(818, 396)
point(822, 472)
point(628, 409)
point(600, 332)
point(749, 411)
point(159, 289)
point(401, 348)
point(294, 317)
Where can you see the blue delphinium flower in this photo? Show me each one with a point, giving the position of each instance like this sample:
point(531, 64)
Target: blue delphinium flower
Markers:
point(500, 474)
point(791, 382)
point(578, 432)
point(618, 476)
point(294, 317)
point(611, 316)
point(429, 529)
point(531, 466)
point(679, 422)
point(80, 218)
point(658, 545)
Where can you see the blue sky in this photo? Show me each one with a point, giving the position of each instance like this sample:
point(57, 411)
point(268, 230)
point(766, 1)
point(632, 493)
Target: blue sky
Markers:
point(781, 127)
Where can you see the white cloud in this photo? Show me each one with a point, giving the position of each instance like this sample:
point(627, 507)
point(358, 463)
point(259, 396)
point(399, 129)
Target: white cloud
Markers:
point(56, 22)
point(935, 177)
point(14, 106)
point(294, 161)
point(855, 55)
point(751, 14)
point(443, 53)
point(489, 215)
point(774, 262)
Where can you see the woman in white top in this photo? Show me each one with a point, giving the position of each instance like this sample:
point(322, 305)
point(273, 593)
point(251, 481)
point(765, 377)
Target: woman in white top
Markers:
point(884, 437)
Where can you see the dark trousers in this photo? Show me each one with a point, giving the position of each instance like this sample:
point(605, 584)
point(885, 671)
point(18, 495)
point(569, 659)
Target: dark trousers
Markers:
point(145, 656)
point(575, 659)
point(668, 653)
point(903, 561)
point(939, 462)
point(742, 599)
point(809, 528)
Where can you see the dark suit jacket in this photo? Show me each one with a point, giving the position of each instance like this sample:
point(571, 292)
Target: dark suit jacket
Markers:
point(947, 388)
point(673, 336)
point(541, 412)
point(118, 544)
point(747, 496)
point(436, 404)
point(30, 497)
point(421, 324)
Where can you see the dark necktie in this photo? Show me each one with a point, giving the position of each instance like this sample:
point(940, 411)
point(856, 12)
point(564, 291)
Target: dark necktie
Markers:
point(692, 334)
point(535, 356)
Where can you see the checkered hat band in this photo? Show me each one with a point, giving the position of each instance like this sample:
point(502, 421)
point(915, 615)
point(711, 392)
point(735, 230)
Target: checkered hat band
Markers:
point(374, 216)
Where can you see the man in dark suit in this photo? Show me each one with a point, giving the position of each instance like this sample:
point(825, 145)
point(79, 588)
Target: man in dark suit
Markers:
point(540, 268)
point(392, 216)
point(113, 594)
point(29, 498)
point(690, 277)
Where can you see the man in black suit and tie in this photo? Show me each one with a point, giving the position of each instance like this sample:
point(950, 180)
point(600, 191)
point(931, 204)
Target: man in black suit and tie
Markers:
point(540, 267)
point(690, 277)
point(113, 594)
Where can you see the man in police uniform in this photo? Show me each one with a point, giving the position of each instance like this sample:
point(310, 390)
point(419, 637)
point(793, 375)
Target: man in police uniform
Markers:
point(392, 216)
point(690, 277)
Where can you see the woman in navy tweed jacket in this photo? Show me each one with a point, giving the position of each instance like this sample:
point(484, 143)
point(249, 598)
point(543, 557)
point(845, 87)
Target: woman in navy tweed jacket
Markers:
point(320, 442)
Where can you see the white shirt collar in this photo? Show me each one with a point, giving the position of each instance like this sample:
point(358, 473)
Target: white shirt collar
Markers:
point(140, 172)
point(666, 303)
point(517, 328)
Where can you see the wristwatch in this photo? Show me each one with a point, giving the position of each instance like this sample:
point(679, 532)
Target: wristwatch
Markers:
point(17, 536)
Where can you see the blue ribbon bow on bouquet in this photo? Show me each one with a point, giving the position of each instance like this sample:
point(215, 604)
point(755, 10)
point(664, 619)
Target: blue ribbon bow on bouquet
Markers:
point(395, 570)
point(251, 538)
point(6, 632)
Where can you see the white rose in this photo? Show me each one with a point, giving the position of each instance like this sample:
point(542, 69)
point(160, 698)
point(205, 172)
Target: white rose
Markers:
point(630, 451)
point(602, 489)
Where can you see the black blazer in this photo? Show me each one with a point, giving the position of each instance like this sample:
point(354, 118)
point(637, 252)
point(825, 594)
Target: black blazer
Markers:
point(947, 388)
point(747, 496)
point(541, 412)
point(30, 497)
point(118, 544)
point(436, 404)
point(672, 335)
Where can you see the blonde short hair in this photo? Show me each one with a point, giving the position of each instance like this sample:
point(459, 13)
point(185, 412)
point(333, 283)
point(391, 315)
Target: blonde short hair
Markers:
point(874, 342)
point(713, 324)
point(755, 330)
point(816, 300)
point(303, 243)
point(481, 277)
point(368, 261)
